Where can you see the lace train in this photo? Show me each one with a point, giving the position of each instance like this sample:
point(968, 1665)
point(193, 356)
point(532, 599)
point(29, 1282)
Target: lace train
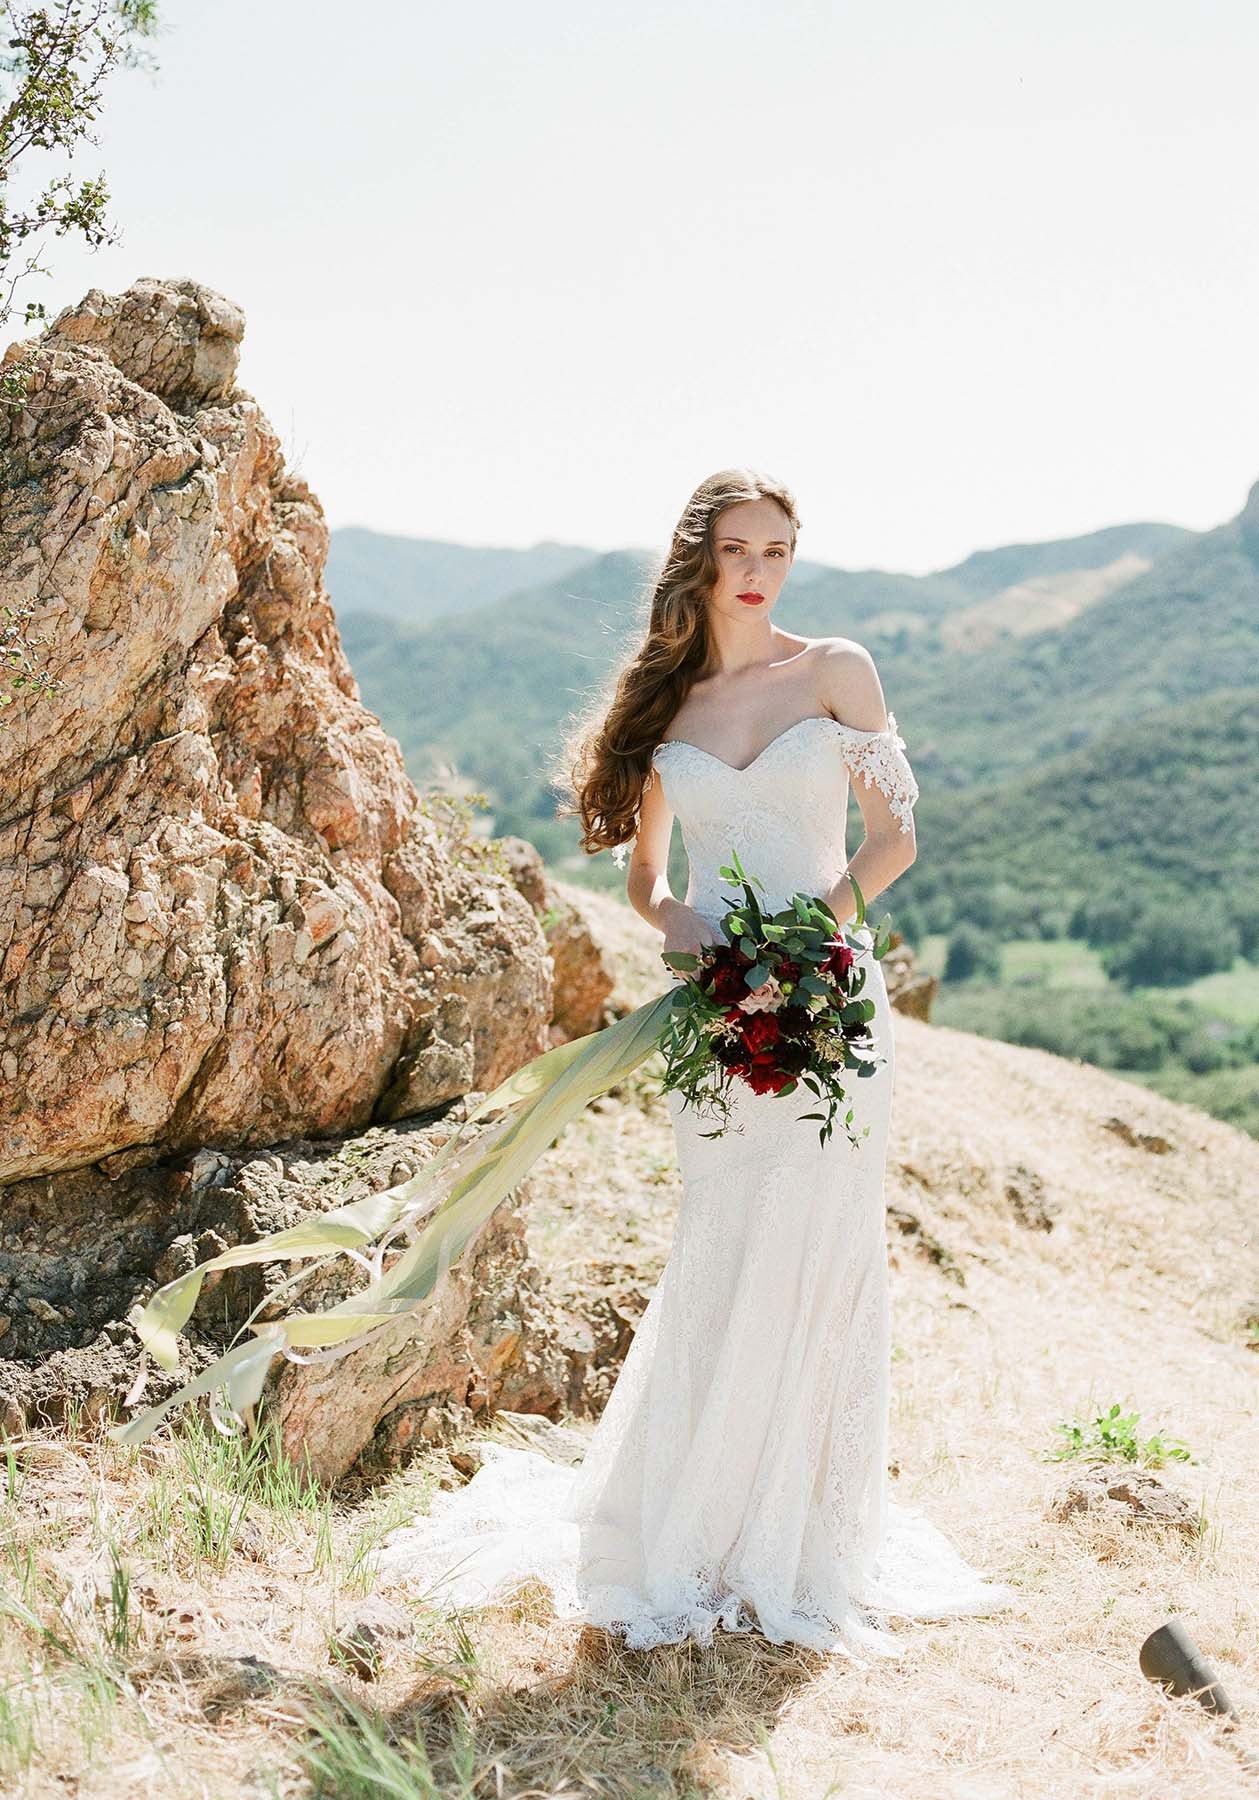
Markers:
point(516, 1521)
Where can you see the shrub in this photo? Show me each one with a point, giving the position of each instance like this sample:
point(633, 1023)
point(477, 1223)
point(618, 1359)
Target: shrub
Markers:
point(972, 953)
point(1168, 946)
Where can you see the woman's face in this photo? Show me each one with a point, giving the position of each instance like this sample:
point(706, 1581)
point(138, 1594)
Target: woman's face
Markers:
point(752, 545)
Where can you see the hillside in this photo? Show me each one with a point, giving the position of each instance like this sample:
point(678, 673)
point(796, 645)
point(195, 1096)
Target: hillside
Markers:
point(1163, 805)
point(985, 572)
point(1186, 627)
point(994, 593)
point(497, 684)
point(1040, 1239)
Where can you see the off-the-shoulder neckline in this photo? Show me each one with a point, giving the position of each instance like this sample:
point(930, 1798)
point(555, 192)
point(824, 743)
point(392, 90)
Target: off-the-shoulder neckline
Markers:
point(809, 719)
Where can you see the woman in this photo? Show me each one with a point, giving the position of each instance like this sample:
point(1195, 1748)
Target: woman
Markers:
point(738, 1473)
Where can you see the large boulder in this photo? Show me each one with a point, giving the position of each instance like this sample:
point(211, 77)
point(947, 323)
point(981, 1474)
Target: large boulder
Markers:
point(225, 919)
point(909, 989)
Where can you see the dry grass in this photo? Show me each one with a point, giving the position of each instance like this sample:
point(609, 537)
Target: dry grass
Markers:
point(1137, 1294)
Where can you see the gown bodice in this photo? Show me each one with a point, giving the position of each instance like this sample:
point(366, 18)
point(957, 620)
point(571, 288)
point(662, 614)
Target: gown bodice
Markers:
point(784, 812)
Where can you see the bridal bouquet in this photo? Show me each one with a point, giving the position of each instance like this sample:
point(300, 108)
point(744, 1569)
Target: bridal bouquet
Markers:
point(778, 1005)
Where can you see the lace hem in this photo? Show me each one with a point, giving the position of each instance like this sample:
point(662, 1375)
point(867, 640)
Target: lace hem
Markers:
point(516, 1521)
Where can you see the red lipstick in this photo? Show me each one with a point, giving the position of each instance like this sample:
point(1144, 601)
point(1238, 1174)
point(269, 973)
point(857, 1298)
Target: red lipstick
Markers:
point(751, 598)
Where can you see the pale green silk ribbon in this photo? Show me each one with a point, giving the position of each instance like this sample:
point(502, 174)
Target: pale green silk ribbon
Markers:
point(453, 1194)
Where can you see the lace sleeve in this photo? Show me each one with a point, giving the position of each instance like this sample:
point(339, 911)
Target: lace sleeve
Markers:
point(879, 758)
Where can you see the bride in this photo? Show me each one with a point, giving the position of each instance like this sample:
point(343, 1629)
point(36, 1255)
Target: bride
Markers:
point(737, 1476)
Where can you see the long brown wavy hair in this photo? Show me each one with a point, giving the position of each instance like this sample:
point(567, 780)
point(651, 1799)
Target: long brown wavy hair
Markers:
point(607, 752)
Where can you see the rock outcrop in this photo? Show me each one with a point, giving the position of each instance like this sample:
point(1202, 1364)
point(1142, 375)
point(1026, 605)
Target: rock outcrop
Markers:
point(242, 962)
point(225, 917)
point(909, 989)
point(584, 980)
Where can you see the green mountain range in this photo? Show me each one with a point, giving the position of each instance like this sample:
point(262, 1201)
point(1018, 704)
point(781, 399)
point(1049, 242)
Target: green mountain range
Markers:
point(422, 579)
point(1018, 715)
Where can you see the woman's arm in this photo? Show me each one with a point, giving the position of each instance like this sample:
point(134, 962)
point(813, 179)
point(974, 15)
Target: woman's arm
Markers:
point(647, 883)
point(852, 691)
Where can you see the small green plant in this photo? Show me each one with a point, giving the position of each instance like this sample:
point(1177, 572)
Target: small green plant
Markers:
point(223, 1477)
point(455, 816)
point(21, 671)
point(13, 1474)
point(119, 1625)
point(1112, 1436)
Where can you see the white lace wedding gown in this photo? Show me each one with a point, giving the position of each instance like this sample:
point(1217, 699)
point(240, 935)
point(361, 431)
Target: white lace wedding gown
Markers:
point(738, 1473)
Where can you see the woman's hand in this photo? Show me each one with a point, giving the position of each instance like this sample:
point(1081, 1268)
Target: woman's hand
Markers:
point(689, 931)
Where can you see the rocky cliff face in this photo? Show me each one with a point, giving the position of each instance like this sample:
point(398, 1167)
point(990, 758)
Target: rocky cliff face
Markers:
point(241, 962)
point(224, 917)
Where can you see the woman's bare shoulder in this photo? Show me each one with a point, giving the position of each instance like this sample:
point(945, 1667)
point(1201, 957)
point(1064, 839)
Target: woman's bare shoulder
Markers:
point(849, 685)
point(837, 647)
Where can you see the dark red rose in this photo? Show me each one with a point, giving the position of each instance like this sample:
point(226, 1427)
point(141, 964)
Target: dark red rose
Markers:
point(728, 984)
point(793, 1057)
point(761, 1031)
point(723, 973)
point(764, 1077)
point(839, 958)
point(788, 970)
point(795, 1021)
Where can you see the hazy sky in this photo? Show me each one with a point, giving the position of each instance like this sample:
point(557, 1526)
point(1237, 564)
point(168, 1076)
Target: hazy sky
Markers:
point(959, 274)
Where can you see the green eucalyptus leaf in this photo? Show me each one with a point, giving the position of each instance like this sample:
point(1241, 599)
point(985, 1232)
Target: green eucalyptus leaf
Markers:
point(859, 897)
